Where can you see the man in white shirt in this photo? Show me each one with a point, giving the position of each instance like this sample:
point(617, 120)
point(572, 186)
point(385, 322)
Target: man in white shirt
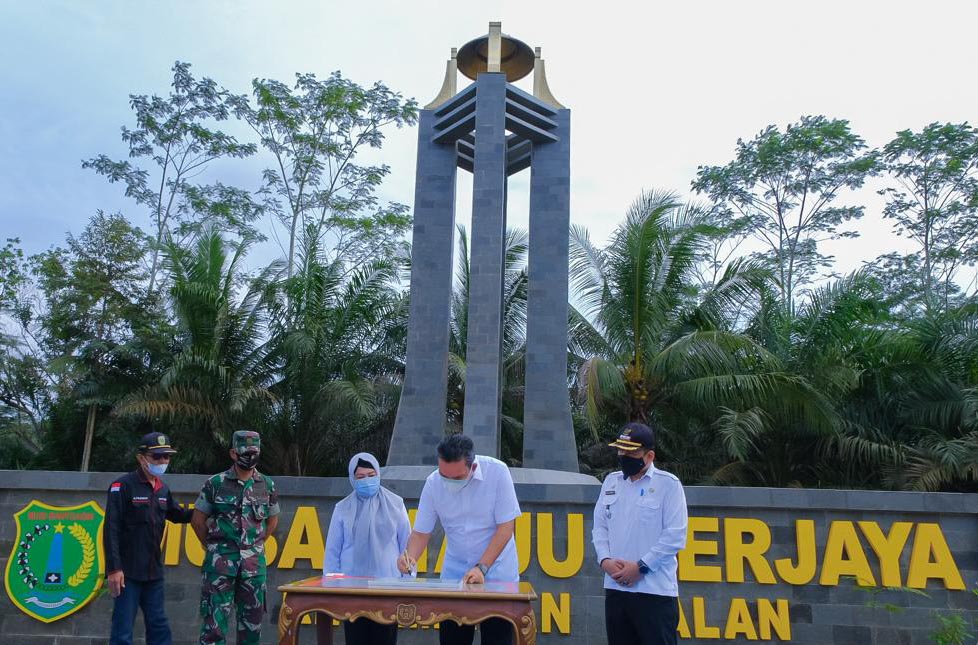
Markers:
point(474, 499)
point(639, 527)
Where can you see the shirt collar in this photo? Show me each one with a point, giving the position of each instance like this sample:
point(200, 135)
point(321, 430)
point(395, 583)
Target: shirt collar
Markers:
point(232, 474)
point(478, 471)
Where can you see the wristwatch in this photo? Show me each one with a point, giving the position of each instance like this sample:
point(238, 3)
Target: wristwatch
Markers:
point(483, 568)
point(643, 568)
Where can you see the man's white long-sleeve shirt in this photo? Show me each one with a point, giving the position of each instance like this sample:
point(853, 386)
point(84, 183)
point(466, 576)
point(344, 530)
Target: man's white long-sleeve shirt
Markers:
point(642, 520)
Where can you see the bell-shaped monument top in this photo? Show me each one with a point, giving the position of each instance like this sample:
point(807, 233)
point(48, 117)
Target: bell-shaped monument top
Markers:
point(500, 53)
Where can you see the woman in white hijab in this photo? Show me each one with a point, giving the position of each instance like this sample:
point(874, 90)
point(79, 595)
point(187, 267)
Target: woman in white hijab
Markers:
point(367, 532)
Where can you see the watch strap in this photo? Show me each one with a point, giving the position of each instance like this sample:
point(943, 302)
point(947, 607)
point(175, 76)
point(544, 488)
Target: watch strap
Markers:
point(483, 568)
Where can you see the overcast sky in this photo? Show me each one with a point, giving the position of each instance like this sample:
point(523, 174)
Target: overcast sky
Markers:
point(655, 88)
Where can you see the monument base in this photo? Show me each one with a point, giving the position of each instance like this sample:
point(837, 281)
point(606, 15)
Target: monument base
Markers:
point(532, 484)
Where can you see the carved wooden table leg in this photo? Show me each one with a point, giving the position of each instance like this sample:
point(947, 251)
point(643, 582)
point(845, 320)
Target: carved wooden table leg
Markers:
point(526, 633)
point(324, 629)
point(287, 625)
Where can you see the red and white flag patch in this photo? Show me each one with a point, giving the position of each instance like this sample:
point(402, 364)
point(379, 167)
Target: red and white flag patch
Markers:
point(116, 487)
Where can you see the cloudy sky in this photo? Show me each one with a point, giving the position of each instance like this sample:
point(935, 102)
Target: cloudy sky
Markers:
point(655, 88)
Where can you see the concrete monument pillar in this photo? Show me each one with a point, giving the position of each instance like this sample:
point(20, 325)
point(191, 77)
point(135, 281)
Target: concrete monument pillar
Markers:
point(493, 129)
point(420, 420)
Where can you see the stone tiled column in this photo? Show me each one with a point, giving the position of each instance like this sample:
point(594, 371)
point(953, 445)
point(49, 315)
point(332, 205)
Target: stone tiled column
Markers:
point(420, 422)
point(483, 360)
point(548, 432)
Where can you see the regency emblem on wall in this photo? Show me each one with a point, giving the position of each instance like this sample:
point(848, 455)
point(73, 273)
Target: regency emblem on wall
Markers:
point(56, 564)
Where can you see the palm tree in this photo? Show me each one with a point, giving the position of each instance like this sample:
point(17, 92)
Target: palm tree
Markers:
point(906, 393)
point(649, 347)
point(335, 390)
point(943, 405)
point(218, 381)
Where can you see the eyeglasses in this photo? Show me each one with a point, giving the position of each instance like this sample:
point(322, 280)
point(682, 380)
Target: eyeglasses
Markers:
point(163, 457)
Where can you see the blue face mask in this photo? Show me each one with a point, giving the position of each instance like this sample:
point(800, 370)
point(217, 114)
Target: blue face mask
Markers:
point(157, 469)
point(455, 485)
point(367, 487)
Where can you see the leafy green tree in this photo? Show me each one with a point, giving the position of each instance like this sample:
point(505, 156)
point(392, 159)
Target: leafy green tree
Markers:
point(98, 322)
point(23, 388)
point(173, 142)
point(333, 392)
point(25, 397)
point(219, 376)
point(724, 235)
point(830, 342)
point(932, 393)
point(650, 349)
point(12, 273)
point(903, 390)
point(786, 185)
point(934, 203)
point(314, 132)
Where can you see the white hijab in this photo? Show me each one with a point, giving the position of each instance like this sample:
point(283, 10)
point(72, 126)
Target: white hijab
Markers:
point(374, 520)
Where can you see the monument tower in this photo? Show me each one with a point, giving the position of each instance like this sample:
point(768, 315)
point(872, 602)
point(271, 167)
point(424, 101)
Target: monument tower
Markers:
point(492, 129)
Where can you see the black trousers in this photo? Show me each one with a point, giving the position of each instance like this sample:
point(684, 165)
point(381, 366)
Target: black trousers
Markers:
point(495, 631)
point(640, 618)
point(366, 632)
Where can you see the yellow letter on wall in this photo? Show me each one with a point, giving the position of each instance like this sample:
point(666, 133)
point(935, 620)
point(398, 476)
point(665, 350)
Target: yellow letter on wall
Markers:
point(193, 548)
point(271, 550)
point(171, 543)
point(929, 540)
point(700, 628)
point(551, 612)
point(683, 628)
point(804, 571)
point(739, 621)
point(779, 619)
point(738, 552)
point(305, 524)
point(689, 571)
point(575, 545)
point(441, 554)
point(523, 538)
point(423, 558)
point(844, 556)
point(888, 549)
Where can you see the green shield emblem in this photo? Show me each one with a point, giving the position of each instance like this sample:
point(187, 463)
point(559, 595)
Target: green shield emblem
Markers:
point(56, 564)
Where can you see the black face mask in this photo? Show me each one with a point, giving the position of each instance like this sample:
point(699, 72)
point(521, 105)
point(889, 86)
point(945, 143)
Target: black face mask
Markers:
point(630, 466)
point(247, 461)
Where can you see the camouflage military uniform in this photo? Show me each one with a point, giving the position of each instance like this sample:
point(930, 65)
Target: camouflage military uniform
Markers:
point(234, 565)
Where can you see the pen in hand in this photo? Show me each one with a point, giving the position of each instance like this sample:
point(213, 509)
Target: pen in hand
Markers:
point(407, 564)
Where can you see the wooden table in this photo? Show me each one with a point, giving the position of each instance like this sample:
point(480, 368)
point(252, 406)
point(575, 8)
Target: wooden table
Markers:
point(406, 602)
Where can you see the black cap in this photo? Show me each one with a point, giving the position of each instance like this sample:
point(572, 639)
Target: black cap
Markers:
point(156, 443)
point(635, 435)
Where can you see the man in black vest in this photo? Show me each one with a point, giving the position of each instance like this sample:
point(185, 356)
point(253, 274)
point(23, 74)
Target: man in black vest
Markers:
point(138, 505)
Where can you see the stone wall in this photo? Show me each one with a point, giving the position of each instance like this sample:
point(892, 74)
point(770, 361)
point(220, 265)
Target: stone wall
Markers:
point(891, 539)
